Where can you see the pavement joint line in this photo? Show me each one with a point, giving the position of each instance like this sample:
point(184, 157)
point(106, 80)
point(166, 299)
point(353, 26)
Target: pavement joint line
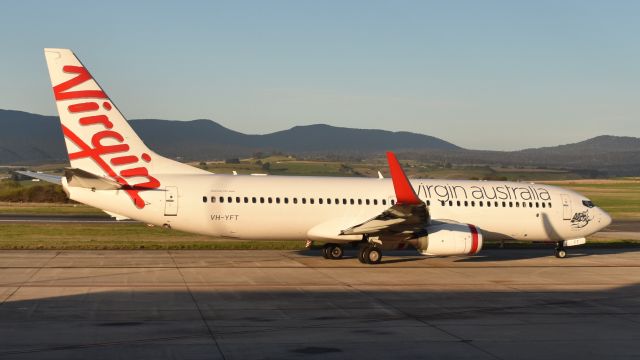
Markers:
point(195, 302)
point(377, 268)
point(93, 345)
point(409, 316)
point(77, 277)
point(28, 279)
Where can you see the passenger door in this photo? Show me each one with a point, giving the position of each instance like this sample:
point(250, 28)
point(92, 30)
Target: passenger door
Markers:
point(566, 207)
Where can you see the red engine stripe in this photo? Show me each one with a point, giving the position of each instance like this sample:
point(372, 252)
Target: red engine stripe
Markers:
point(474, 239)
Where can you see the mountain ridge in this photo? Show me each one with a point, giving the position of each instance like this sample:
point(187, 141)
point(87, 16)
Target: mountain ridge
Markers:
point(28, 138)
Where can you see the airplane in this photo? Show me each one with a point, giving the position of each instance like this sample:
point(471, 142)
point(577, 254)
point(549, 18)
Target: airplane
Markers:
point(113, 170)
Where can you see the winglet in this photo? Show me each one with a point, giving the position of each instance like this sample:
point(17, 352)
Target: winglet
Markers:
point(404, 191)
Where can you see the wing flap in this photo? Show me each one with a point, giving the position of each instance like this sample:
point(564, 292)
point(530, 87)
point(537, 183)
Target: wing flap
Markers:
point(409, 214)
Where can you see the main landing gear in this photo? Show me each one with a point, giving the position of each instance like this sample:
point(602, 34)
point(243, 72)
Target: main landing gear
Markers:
point(332, 251)
point(370, 253)
point(560, 252)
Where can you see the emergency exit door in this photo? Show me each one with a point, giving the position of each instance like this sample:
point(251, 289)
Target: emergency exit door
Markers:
point(171, 201)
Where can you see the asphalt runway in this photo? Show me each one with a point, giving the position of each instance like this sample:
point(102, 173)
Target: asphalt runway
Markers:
point(33, 218)
point(501, 304)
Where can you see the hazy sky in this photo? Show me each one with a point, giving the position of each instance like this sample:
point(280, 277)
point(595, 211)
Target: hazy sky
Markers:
point(481, 74)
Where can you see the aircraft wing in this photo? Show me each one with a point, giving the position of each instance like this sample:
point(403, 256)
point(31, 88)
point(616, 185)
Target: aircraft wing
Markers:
point(407, 215)
point(54, 179)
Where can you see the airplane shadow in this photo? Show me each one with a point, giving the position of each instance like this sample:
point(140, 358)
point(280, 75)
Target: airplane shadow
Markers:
point(540, 252)
point(485, 255)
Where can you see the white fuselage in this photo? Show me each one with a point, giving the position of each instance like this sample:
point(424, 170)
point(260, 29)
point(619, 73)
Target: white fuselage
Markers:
point(318, 208)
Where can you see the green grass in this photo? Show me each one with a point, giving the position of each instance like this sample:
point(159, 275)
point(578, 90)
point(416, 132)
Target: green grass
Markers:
point(125, 236)
point(47, 209)
point(620, 198)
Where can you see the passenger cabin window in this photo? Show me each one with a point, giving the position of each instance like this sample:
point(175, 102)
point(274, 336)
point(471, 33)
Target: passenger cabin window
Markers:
point(261, 200)
point(221, 199)
point(295, 200)
point(204, 199)
point(384, 202)
point(277, 200)
point(213, 199)
point(286, 200)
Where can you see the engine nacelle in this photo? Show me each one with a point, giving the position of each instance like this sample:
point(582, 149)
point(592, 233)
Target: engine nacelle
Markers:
point(450, 239)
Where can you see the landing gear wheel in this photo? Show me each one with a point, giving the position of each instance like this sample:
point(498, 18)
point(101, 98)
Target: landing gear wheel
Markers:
point(561, 253)
point(373, 255)
point(332, 251)
point(361, 254)
point(325, 250)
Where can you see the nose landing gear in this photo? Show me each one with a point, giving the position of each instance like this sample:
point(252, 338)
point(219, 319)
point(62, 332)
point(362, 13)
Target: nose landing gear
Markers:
point(560, 251)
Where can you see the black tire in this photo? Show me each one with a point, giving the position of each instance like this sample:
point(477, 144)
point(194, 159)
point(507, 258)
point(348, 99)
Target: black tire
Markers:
point(361, 254)
point(335, 252)
point(373, 255)
point(325, 251)
point(561, 254)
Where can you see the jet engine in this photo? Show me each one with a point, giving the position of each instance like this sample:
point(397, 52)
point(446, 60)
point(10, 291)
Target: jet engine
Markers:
point(449, 239)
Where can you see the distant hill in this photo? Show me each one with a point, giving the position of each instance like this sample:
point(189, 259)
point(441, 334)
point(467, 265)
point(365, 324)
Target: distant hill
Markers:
point(31, 139)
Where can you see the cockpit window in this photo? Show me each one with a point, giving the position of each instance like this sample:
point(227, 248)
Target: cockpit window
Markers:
point(588, 203)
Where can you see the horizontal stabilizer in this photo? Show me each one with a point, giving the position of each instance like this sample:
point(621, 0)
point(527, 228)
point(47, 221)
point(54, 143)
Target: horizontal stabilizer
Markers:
point(54, 179)
point(118, 217)
point(85, 179)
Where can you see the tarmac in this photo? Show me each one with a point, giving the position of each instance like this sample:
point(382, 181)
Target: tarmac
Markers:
point(501, 304)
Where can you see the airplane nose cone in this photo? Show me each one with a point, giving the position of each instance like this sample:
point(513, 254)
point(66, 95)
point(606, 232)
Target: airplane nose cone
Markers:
point(605, 219)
